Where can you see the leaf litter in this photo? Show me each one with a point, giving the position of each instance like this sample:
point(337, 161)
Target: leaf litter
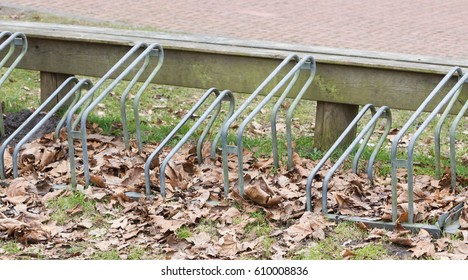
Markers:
point(195, 200)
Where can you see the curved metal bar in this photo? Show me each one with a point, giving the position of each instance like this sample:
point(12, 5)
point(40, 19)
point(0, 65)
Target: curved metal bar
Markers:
point(216, 104)
point(363, 145)
point(123, 98)
point(4, 44)
point(217, 137)
point(11, 40)
point(104, 93)
point(291, 110)
point(205, 133)
point(63, 100)
point(438, 129)
point(369, 127)
point(2, 62)
point(88, 85)
point(416, 135)
point(312, 67)
point(399, 163)
point(89, 96)
point(453, 128)
point(423, 105)
point(136, 101)
point(166, 140)
point(294, 74)
point(51, 98)
point(335, 145)
point(378, 146)
point(240, 110)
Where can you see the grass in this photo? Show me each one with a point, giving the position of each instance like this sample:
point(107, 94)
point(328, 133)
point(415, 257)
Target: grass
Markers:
point(10, 247)
point(136, 253)
point(62, 208)
point(260, 226)
point(107, 255)
point(332, 246)
point(208, 226)
point(183, 233)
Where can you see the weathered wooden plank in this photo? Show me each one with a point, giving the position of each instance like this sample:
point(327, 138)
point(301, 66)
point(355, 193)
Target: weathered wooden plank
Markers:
point(333, 83)
point(343, 76)
point(346, 77)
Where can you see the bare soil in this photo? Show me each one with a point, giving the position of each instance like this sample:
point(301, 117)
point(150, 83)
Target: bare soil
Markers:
point(14, 120)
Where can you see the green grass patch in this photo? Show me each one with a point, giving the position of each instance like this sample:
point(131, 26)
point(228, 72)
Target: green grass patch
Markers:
point(208, 226)
point(63, 208)
point(10, 247)
point(260, 227)
point(107, 255)
point(136, 253)
point(183, 233)
point(371, 252)
point(331, 247)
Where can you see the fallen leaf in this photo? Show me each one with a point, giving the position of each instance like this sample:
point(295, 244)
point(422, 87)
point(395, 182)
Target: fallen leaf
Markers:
point(228, 245)
point(98, 181)
point(168, 225)
point(347, 253)
point(423, 248)
point(200, 240)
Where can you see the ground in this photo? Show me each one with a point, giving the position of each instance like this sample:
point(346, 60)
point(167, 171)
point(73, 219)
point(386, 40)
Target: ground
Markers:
point(41, 218)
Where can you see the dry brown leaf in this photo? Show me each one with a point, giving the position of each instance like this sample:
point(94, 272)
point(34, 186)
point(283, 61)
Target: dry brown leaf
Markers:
point(17, 187)
point(200, 240)
point(98, 181)
point(404, 241)
point(86, 224)
point(11, 225)
point(48, 156)
point(168, 225)
point(310, 224)
point(75, 210)
point(262, 194)
point(121, 222)
point(230, 214)
point(228, 245)
point(35, 235)
point(423, 248)
point(347, 253)
point(132, 176)
point(131, 234)
point(460, 247)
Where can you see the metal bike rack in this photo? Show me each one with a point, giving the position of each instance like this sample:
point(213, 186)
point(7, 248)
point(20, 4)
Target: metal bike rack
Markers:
point(215, 106)
point(364, 135)
point(453, 128)
point(447, 222)
point(306, 64)
point(449, 98)
point(12, 40)
point(74, 92)
point(144, 53)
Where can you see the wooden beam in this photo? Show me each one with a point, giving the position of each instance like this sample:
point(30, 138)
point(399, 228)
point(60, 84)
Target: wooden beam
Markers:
point(345, 78)
point(349, 84)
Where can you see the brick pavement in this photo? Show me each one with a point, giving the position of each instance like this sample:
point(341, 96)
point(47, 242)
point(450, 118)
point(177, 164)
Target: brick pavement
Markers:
point(435, 28)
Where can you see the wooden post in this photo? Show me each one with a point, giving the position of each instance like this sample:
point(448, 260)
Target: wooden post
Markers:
point(331, 120)
point(49, 83)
